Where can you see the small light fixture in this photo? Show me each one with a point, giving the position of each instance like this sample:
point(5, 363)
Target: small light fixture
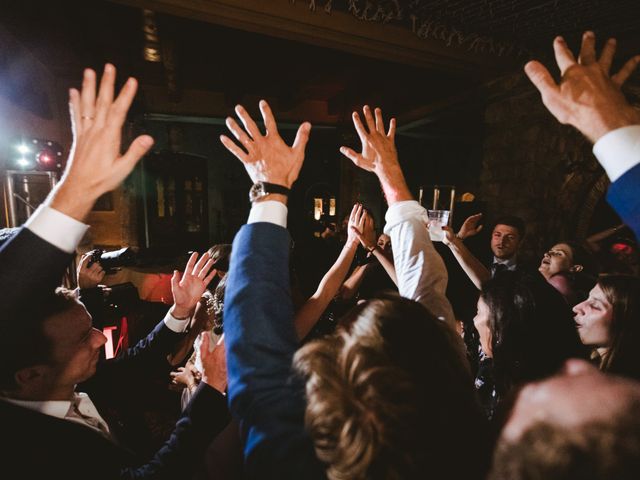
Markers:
point(317, 208)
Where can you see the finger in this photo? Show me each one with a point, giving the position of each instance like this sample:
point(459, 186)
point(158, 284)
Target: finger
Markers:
point(84, 260)
point(119, 109)
point(269, 121)
point(249, 125)
point(190, 263)
point(351, 155)
point(368, 117)
point(379, 120)
point(105, 94)
point(588, 49)
point(302, 136)
point(479, 228)
point(204, 271)
point(212, 273)
point(138, 149)
point(354, 214)
point(230, 145)
point(74, 112)
point(175, 280)
point(392, 129)
point(357, 123)
point(541, 78)
point(606, 57)
point(239, 133)
point(357, 233)
point(564, 57)
point(626, 71)
point(88, 96)
point(197, 268)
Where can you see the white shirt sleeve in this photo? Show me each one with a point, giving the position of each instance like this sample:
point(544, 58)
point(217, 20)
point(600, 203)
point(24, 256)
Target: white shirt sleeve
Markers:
point(270, 211)
point(175, 324)
point(619, 151)
point(55, 227)
point(422, 275)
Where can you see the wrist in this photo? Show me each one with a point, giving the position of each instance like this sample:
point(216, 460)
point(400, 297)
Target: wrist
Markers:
point(180, 313)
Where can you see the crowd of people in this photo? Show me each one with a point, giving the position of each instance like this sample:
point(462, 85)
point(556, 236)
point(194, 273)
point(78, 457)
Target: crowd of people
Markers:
point(374, 375)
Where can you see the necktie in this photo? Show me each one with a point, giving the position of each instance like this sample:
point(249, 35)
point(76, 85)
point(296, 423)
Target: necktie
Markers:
point(499, 268)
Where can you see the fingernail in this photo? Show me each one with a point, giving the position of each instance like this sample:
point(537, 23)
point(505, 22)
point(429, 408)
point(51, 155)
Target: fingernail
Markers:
point(146, 141)
point(588, 34)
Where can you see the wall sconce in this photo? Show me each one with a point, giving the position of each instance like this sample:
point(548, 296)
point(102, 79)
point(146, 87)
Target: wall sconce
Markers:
point(317, 208)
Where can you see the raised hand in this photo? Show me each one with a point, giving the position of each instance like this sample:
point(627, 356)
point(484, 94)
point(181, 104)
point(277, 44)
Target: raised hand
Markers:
point(367, 235)
point(189, 286)
point(89, 276)
point(356, 224)
point(214, 364)
point(95, 165)
point(378, 146)
point(449, 236)
point(266, 157)
point(379, 154)
point(587, 97)
point(470, 227)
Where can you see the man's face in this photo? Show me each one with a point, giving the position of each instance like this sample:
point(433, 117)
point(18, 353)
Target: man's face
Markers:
point(505, 240)
point(579, 395)
point(76, 345)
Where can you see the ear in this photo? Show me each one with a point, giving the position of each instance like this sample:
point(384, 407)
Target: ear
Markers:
point(27, 377)
point(576, 268)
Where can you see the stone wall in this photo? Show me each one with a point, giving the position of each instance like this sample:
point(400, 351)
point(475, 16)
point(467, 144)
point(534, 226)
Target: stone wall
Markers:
point(534, 167)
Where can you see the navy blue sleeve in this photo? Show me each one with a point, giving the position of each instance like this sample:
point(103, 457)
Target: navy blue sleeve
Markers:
point(624, 197)
point(260, 341)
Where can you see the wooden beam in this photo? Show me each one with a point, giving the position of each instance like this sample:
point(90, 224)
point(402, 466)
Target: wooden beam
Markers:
point(338, 30)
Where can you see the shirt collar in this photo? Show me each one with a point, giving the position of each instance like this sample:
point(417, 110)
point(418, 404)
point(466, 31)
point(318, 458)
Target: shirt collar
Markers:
point(509, 262)
point(53, 408)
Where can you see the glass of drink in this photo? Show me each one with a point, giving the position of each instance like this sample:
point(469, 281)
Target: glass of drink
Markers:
point(437, 219)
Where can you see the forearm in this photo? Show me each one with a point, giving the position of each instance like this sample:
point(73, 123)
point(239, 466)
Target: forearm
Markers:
point(310, 312)
point(352, 284)
point(421, 273)
point(393, 184)
point(387, 264)
point(474, 269)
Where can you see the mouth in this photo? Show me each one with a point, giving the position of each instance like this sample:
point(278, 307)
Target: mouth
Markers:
point(546, 262)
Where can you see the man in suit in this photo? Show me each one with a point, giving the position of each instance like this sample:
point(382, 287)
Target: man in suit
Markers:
point(589, 98)
point(47, 343)
point(261, 340)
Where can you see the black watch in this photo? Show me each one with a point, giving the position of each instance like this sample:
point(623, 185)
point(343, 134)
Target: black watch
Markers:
point(261, 189)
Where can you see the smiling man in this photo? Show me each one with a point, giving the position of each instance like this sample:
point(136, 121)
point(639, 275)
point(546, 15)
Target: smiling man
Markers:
point(505, 242)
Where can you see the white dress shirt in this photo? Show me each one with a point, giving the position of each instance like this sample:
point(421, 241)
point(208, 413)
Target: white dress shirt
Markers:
point(619, 151)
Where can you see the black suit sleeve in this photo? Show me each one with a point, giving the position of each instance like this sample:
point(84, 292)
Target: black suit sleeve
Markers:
point(205, 416)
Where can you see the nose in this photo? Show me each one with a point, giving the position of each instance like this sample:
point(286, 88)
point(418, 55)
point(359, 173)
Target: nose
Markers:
point(546, 255)
point(98, 338)
point(578, 308)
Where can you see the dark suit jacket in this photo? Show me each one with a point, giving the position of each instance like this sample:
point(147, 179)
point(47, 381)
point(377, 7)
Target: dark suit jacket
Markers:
point(260, 340)
point(624, 197)
point(41, 446)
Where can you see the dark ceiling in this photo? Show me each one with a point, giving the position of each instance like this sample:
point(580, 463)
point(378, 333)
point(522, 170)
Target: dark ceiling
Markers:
point(238, 65)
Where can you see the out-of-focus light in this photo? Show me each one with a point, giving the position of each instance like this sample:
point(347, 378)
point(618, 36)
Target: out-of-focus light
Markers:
point(23, 149)
point(45, 158)
point(23, 162)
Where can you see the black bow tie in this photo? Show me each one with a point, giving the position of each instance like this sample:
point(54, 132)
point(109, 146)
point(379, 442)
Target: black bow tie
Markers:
point(498, 268)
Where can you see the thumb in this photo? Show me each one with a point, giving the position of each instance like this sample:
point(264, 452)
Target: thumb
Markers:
point(479, 228)
point(302, 137)
point(138, 148)
point(175, 280)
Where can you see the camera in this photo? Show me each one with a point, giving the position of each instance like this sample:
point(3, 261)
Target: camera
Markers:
point(111, 261)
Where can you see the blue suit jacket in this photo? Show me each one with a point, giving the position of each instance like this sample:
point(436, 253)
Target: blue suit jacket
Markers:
point(260, 340)
point(624, 197)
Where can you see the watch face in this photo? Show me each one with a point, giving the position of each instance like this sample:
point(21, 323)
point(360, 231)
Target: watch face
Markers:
point(257, 191)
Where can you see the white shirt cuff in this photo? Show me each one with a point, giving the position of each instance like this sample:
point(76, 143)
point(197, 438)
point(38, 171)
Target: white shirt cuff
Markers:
point(55, 227)
point(401, 211)
point(270, 211)
point(174, 324)
point(619, 151)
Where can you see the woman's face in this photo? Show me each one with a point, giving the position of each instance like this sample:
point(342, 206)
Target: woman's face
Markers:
point(481, 322)
point(593, 319)
point(558, 259)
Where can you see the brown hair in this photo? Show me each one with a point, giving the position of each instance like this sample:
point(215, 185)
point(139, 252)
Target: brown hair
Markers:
point(623, 354)
point(594, 451)
point(23, 342)
point(390, 395)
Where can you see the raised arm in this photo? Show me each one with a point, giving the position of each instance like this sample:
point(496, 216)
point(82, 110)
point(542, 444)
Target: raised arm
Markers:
point(368, 240)
point(39, 253)
point(260, 337)
point(330, 284)
point(421, 273)
point(474, 269)
point(588, 98)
